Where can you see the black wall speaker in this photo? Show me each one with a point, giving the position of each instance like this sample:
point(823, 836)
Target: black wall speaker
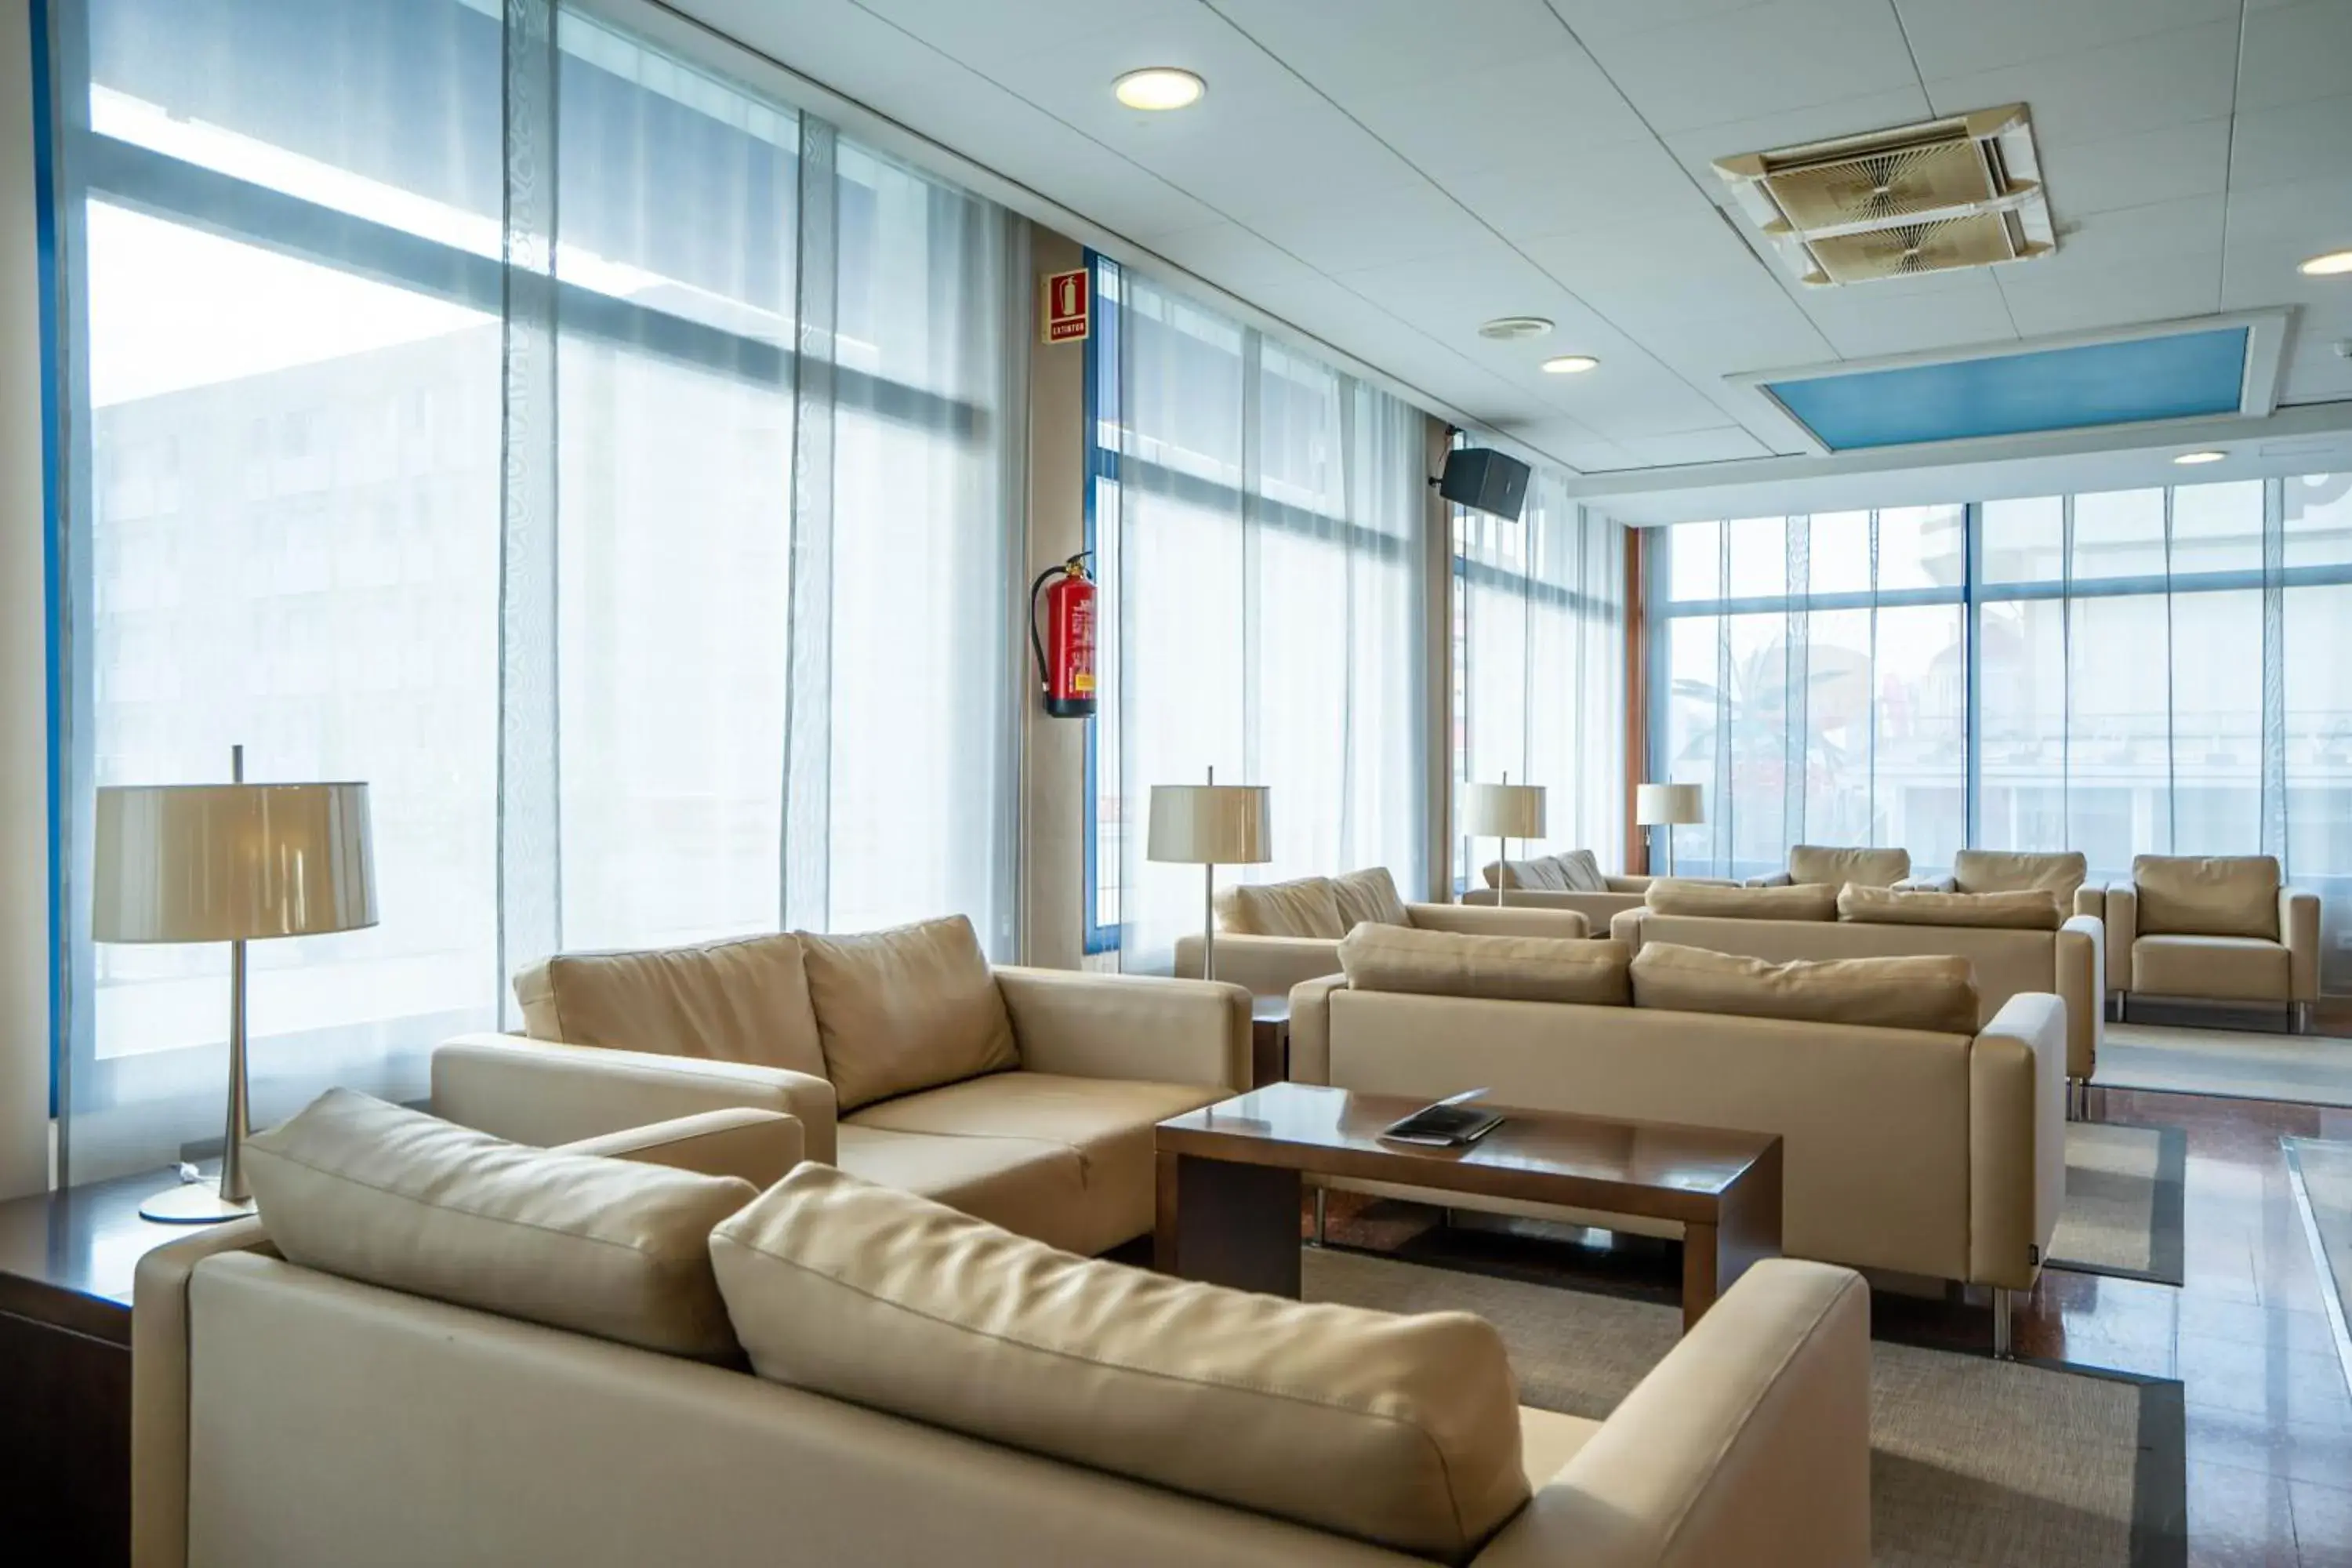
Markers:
point(1485, 480)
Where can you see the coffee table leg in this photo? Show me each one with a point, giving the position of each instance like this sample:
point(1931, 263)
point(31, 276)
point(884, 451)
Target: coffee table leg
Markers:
point(1228, 1224)
point(1746, 1227)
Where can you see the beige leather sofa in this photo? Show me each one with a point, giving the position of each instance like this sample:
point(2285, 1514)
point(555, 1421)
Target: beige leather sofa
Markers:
point(287, 1417)
point(2067, 963)
point(1928, 1154)
point(1024, 1096)
point(2213, 929)
point(1272, 935)
point(1874, 867)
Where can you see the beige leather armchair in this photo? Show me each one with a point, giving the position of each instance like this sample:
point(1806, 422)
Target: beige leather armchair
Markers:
point(2213, 929)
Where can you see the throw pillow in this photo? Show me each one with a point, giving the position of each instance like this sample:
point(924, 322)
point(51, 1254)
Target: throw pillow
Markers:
point(906, 1009)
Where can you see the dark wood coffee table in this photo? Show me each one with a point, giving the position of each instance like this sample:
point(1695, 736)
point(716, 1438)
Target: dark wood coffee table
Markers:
point(1230, 1180)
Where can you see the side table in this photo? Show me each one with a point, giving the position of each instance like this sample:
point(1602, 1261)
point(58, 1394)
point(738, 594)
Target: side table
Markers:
point(66, 1265)
point(1269, 1040)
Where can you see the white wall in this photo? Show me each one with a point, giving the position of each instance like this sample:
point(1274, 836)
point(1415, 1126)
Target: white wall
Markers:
point(23, 733)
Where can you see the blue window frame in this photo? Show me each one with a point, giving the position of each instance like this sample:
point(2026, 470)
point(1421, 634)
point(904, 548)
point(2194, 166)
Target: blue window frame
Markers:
point(1101, 474)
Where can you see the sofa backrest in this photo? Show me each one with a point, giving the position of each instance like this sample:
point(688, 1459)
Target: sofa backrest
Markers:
point(1875, 1121)
point(2008, 871)
point(2209, 895)
point(1572, 871)
point(742, 1000)
point(1323, 906)
point(1873, 867)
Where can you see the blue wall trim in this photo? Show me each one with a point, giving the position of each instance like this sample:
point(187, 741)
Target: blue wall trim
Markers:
point(44, 197)
point(2185, 376)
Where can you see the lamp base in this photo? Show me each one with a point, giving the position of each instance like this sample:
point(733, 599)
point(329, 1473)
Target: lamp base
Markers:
point(194, 1203)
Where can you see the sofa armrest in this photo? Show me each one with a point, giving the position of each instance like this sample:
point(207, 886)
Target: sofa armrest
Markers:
point(758, 1145)
point(2091, 900)
point(1310, 1028)
point(1777, 880)
point(2081, 961)
point(2298, 918)
point(1142, 1027)
point(2123, 929)
point(1261, 965)
point(1749, 1443)
point(159, 1387)
point(1596, 908)
point(2017, 1139)
point(543, 1093)
point(1483, 919)
point(1636, 885)
point(1626, 927)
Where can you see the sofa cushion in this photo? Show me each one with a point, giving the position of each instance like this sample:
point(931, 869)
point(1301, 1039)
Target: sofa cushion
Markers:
point(1105, 1123)
point(609, 1247)
point(2211, 968)
point(2026, 909)
point(1936, 992)
point(1582, 872)
point(2010, 871)
point(1368, 895)
point(1795, 901)
point(1873, 867)
point(2212, 895)
point(906, 1009)
point(1505, 968)
point(1546, 874)
point(1307, 907)
point(1400, 1431)
point(743, 1000)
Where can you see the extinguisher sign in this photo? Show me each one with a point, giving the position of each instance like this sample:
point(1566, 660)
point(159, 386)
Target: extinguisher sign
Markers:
point(1069, 306)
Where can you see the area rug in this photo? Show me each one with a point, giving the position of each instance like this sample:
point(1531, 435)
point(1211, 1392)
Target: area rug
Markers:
point(2321, 1170)
point(2123, 1210)
point(1972, 1460)
point(2304, 1070)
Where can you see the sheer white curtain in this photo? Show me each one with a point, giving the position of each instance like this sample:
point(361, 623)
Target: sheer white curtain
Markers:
point(1539, 682)
point(551, 428)
point(1266, 525)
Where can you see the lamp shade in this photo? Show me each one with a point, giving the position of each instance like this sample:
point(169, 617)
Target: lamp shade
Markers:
point(1210, 824)
point(1668, 805)
point(231, 862)
point(1503, 811)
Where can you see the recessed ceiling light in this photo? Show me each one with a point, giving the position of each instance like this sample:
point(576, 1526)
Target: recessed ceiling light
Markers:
point(1511, 327)
point(2334, 264)
point(1570, 365)
point(1159, 87)
point(2191, 460)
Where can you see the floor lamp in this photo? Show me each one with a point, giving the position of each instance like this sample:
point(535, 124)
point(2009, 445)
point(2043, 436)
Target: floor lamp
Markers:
point(233, 863)
point(1668, 805)
point(1210, 824)
point(1504, 812)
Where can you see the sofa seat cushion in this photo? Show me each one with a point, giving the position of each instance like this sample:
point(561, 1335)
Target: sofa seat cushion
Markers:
point(2210, 895)
point(1933, 992)
point(744, 1000)
point(2010, 871)
point(1504, 968)
point(397, 1198)
point(2214, 968)
point(1103, 1125)
point(1031, 1185)
point(1400, 1431)
point(2026, 909)
point(1872, 868)
point(1548, 1440)
point(904, 1009)
point(1308, 906)
point(1799, 902)
point(1368, 895)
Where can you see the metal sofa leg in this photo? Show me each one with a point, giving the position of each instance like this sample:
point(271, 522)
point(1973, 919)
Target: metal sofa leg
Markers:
point(1320, 1194)
point(2001, 1302)
point(2299, 1017)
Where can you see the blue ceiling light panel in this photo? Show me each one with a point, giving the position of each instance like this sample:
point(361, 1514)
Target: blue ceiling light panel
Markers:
point(2181, 377)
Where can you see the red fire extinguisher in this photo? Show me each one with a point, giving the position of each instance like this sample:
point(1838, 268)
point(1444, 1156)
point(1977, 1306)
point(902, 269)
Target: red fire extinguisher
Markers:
point(1066, 651)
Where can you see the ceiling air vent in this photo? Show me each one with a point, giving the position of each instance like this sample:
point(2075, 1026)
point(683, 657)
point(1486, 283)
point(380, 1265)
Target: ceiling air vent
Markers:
point(1961, 192)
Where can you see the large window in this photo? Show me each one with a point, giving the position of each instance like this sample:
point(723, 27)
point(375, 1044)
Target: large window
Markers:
point(1257, 520)
point(596, 456)
point(2156, 671)
point(1538, 669)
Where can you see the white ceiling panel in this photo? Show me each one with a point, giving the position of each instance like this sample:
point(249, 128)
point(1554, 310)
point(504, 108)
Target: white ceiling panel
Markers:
point(2174, 77)
point(1385, 175)
point(1951, 40)
point(1758, 60)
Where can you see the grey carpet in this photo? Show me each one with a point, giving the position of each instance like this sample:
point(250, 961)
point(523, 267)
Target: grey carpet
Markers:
point(1973, 1460)
point(2123, 1211)
point(2304, 1070)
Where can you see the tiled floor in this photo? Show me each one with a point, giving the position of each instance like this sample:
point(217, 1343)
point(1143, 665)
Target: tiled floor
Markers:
point(2269, 1415)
